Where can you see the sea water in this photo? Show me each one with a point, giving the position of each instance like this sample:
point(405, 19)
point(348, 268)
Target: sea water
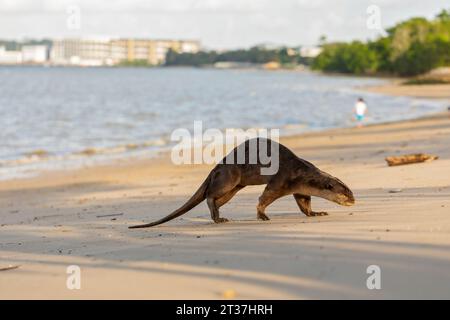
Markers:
point(60, 117)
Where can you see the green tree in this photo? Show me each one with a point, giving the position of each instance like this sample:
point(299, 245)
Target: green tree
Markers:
point(355, 57)
point(410, 48)
point(422, 57)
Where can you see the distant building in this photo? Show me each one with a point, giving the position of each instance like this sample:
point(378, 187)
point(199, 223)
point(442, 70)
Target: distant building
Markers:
point(190, 46)
point(96, 52)
point(119, 50)
point(291, 52)
point(83, 52)
point(34, 54)
point(10, 57)
point(151, 51)
point(310, 52)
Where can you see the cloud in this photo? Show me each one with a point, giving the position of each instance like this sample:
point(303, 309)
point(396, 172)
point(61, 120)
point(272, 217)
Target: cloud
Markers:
point(217, 23)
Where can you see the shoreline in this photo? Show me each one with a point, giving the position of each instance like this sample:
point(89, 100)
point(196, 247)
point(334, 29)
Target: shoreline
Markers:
point(140, 151)
point(124, 159)
point(423, 91)
point(81, 218)
point(28, 161)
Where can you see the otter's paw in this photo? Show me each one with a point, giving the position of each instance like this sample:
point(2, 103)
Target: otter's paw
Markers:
point(263, 217)
point(321, 213)
point(221, 220)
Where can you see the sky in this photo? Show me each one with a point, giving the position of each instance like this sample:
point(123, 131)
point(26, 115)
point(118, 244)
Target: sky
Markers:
point(218, 24)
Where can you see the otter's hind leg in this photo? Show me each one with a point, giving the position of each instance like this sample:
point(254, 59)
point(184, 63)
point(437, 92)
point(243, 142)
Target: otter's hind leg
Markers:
point(220, 190)
point(304, 203)
point(227, 197)
point(214, 211)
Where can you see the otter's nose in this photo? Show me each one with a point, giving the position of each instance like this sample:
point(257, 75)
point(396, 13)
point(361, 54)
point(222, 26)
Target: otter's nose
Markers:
point(350, 200)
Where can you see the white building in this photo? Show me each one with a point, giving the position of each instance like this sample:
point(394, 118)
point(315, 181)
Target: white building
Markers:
point(310, 52)
point(34, 54)
point(10, 57)
point(190, 46)
point(84, 52)
point(97, 52)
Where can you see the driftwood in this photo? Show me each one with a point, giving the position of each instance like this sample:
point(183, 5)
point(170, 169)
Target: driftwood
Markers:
point(110, 215)
point(410, 158)
point(10, 267)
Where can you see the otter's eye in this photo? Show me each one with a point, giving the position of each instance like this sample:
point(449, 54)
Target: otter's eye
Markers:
point(329, 186)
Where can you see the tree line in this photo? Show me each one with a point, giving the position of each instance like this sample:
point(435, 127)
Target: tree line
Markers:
point(410, 48)
point(256, 55)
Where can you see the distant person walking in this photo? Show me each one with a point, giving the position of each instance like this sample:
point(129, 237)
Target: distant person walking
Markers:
point(360, 111)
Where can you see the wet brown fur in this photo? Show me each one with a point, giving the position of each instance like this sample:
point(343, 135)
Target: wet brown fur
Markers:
point(295, 176)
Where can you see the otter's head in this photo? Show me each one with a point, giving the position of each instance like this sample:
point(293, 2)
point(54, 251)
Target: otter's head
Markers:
point(328, 187)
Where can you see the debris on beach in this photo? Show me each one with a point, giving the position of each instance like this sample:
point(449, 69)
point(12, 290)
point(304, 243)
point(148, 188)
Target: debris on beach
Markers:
point(10, 267)
point(395, 190)
point(110, 215)
point(410, 158)
point(229, 294)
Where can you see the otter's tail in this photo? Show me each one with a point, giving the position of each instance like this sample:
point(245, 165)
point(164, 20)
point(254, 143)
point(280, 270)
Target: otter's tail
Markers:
point(198, 197)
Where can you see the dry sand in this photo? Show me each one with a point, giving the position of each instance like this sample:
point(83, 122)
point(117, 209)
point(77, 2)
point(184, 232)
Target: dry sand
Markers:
point(52, 221)
point(440, 91)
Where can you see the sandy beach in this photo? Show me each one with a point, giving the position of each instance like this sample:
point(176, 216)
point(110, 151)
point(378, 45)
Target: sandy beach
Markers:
point(401, 223)
point(394, 87)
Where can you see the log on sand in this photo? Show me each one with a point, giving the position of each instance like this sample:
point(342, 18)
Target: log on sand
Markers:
point(410, 158)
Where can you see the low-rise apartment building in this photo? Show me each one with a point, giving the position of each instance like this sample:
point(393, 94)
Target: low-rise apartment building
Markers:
point(96, 52)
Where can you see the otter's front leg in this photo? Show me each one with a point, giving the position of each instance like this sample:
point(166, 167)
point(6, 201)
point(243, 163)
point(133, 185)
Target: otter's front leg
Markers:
point(267, 197)
point(304, 203)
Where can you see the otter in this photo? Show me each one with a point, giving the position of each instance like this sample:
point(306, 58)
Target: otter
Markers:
point(294, 176)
